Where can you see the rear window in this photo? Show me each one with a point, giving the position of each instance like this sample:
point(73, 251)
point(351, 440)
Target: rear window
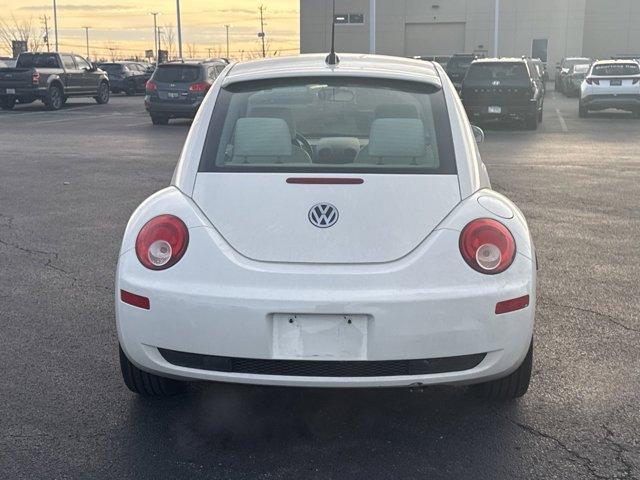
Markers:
point(615, 69)
point(581, 69)
point(575, 61)
point(111, 67)
point(501, 71)
point(38, 60)
point(177, 73)
point(459, 63)
point(330, 125)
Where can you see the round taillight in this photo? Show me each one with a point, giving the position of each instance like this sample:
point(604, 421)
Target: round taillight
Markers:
point(487, 246)
point(162, 242)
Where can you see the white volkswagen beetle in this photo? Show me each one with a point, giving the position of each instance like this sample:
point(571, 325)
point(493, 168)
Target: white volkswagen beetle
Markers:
point(328, 226)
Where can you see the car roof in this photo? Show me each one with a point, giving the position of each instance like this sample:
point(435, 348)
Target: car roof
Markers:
point(627, 61)
point(501, 60)
point(354, 65)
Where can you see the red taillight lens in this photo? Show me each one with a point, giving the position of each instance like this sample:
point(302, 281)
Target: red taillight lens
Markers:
point(151, 86)
point(35, 78)
point(593, 81)
point(162, 242)
point(487, 246)
point(199, 87)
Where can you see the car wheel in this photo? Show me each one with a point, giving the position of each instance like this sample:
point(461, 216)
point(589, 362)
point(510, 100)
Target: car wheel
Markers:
point(103, 93)
point(531, 122)
point(147, 384)
point(54, 99)
point(582, 111)
point(159, 119)
point(131, 90)
point(513, 386)
point(7, 103)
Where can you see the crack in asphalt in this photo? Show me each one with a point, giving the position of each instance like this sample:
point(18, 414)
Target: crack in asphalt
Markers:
point(586, 461)
point(49, 264)
point(616, 321)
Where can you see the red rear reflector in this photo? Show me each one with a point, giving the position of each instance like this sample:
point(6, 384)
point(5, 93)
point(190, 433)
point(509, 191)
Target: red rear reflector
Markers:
point(325, 181)
point(135, 300)
point(151, 86)
point(512, 305)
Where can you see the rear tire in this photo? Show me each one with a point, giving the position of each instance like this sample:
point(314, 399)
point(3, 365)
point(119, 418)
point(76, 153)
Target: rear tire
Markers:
point(583, 111)
point(130, 91)
point(512, 386)
point(147, 384)
point(159, 119)
point(531, 122)
point(103, 94)
point(54, 98)
point(7, 103)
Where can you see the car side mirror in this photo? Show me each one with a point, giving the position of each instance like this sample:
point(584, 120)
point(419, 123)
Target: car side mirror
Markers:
point(478, 134)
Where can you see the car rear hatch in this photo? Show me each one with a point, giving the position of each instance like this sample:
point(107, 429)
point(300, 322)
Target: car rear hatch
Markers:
point(500, 84)
point(380, 178)
point(178, 84)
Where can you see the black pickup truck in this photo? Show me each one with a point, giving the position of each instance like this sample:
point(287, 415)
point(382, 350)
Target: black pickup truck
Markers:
point(503, 89)
point(51, 78)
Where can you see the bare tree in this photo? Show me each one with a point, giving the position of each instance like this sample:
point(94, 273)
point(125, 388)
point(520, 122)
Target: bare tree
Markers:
point(192, 50)
point(168, 40)
point(23, 30)
point(114, 50)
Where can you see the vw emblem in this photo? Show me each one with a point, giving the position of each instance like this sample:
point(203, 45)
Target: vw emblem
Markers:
point(323, 215)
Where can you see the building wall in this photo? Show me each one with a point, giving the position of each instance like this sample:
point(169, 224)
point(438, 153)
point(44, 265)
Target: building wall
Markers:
point(611, 28)
point(597, 28)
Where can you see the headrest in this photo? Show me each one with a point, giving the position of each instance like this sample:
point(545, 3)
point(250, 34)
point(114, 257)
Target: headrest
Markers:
point(275, 112)
point(262, 137)
point(401, 110)
point(397, 137)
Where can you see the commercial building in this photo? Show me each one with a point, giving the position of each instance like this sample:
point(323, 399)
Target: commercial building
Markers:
point(549, 29)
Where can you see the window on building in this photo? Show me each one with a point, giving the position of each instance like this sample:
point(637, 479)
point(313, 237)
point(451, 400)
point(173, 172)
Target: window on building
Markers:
point(348, 18)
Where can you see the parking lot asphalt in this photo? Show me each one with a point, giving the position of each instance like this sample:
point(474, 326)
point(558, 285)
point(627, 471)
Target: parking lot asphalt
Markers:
point(69, 181)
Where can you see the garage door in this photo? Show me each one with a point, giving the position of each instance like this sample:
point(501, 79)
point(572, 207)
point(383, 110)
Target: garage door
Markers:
point(433, 38)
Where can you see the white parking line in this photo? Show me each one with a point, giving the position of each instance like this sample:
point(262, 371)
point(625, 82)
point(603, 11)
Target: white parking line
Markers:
point(563, 124)
point(73, 119)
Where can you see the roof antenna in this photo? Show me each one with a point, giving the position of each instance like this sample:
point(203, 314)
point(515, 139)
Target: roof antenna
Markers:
point(332, 58)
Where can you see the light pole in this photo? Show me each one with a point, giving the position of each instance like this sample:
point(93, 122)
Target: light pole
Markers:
point(496, 31)
point(86, 31)
point(155, 33)
point(372, 26)
point(55, 22)
point(227, 27)
point(179, 29)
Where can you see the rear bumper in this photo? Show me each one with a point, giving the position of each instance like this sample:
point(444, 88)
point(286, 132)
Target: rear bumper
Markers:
point(174, 110)
point(203, 325)
point(602, 102)
point(481, 112)
point(21, 91)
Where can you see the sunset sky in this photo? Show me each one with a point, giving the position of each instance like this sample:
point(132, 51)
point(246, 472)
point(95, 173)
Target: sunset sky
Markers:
point(126, 27)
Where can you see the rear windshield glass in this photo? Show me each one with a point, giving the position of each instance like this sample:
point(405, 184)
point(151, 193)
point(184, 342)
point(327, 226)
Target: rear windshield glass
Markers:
point(581, 69)
point(498, 71)
point(614, 69)
point(330, 125)
point(459, 63)
point(111, 67)
point(575, 61)
point(38, 60)
point(177, 73)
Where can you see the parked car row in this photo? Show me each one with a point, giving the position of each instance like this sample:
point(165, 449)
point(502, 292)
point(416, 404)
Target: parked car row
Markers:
point(127, 77)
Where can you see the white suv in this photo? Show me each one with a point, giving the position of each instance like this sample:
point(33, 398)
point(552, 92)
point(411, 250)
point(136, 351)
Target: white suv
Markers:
point(611, 84)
